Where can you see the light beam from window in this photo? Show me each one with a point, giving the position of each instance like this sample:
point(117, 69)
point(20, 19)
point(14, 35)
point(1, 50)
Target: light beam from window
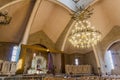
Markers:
point(111, 60)
point(76, 61)
point(14, 54)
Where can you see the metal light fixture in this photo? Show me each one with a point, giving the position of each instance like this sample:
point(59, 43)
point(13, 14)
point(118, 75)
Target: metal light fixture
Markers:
point(83, 35)
point(75, 1)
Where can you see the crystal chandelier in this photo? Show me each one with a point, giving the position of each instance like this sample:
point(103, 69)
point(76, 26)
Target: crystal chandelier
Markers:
point(83, 35)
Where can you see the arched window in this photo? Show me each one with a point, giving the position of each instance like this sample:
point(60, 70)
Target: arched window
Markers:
point(15, 53)
point(110, 59)
point(76, 61)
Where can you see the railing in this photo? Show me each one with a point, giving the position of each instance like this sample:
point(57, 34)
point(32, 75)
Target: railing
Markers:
point(40, 77)
point(22, 78)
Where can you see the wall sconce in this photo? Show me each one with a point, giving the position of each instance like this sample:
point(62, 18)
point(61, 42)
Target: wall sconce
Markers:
point(4, 18)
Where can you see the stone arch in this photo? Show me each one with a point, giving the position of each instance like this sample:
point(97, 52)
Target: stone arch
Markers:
point(112, 37)
point(10, 3)
point(111, 44)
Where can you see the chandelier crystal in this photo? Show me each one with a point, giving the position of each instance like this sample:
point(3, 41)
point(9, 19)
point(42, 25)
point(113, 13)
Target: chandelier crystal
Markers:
point(83, 34)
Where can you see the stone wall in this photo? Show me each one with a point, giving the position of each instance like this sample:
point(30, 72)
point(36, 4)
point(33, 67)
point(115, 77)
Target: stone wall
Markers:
point(84, 59)
point(70, 58)
point(14, 31)
point(89, 58)
point(6, 51)
point(41, 38)
point(109, 39)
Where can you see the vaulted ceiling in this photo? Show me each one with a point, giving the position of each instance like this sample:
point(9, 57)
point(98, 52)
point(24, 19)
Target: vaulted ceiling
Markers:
point(52, 18)
point(19, 11)
point(4, 2)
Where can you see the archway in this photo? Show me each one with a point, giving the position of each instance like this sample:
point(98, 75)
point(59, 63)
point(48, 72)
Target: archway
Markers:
point(112, 58)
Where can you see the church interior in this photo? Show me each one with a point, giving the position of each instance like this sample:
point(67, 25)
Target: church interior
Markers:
point(59, 40)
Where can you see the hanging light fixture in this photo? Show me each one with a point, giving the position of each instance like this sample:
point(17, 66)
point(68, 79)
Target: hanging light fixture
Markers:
point(83, 35)
point(75, 1)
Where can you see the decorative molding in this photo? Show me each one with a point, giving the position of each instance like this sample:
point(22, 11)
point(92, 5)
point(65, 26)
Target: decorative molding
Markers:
point(4, 18)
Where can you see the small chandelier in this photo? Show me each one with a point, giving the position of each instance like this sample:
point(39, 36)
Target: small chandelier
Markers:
point(83, 35)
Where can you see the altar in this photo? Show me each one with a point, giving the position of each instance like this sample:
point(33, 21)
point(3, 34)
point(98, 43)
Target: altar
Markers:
point(38, 65)
point(37, 60)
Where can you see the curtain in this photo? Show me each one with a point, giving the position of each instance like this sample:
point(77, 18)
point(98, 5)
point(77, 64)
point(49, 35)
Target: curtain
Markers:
point(50, 63)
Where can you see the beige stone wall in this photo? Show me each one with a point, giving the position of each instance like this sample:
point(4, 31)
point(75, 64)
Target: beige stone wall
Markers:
point(41, 38)
point(111, 37)
point(70, 58)
point(84, 59)
point(20, 13)
point(89, 58)
point(57, 62)
point(101, 48)
point(6, 51)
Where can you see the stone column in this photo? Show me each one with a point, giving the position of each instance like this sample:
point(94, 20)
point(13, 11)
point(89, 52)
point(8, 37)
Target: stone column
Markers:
point(99, 58)
point(96, 56)
point(30, 22)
